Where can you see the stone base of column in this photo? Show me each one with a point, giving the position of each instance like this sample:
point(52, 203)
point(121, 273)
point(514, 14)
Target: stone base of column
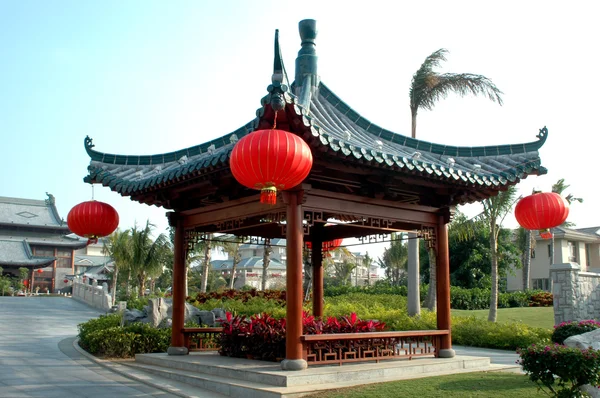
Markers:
point(293, 364)
point(177, 351)
point(447, 353)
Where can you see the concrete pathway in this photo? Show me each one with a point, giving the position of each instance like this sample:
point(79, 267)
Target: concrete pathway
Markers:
point(498, 357)
point(37, 358)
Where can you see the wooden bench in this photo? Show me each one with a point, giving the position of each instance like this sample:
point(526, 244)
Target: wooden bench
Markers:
point(201, 339)
point(339, 348)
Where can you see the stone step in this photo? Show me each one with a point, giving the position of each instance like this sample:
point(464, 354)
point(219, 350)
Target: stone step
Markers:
point(245, 378)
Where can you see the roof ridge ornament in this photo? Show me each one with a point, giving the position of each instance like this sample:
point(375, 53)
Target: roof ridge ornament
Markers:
point(307, 79)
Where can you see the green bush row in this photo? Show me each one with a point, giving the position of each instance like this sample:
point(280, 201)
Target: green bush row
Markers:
point(106, 338)
point(460, 298)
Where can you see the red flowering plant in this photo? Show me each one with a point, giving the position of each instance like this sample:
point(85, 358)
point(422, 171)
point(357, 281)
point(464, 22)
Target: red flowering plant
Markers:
point(263, 337)
point(564, 330)
point(562, 370)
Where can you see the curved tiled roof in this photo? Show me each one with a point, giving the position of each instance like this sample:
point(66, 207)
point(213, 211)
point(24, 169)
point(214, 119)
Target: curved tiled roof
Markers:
point(18, 253)
point(344, 132)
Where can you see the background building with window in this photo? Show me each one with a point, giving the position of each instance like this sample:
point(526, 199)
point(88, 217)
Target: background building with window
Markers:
point(33, 236)
point(580, 246)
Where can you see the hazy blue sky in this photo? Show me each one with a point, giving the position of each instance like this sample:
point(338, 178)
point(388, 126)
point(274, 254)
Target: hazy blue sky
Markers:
point(147, 77)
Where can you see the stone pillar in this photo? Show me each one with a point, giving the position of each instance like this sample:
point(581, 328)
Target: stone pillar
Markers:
point(317, 269)
point(565, 291)
point(414, 296)
point(294, 238)
point(443, 288)
point(177, 341)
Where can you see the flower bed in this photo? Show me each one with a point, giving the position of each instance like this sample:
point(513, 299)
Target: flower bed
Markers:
point(263, 337)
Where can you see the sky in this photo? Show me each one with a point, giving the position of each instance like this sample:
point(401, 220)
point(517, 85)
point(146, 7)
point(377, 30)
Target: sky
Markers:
point(149, 77)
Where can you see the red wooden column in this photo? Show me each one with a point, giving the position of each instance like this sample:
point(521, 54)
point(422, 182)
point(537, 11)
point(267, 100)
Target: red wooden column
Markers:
point(294, 237)
point(177, 345)
point(317, 270)
point(443, 287)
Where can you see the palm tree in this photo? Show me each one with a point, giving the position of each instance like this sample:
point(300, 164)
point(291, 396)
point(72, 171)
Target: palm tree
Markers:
point(343, 268)
point(560, 187)
point(118, 247)
point(428, 87)
point(232, 248)
point(495, 210)
point(148, 257)
point(395, 258)
point(367, 262)
point(526, 243)
point(206, 263)
point(266, 261)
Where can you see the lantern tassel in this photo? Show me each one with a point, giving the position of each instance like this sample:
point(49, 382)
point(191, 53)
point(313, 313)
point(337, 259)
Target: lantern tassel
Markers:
point(92, 241)
point(268, 195)
point(545, 234)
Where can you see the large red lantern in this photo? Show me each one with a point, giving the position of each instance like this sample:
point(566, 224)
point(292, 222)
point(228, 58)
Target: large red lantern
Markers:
point(269, 160)
point(92, 220)
point(327, 246)
point(542, 211)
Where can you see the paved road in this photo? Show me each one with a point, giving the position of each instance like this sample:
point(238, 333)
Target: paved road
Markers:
point(37, 358)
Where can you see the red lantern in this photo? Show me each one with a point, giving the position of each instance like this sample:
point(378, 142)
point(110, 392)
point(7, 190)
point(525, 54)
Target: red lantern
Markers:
point(542, 211)
point(39, 271)
point(327, 246)
point(269, 160)
point(26, 282)
point(92, 220)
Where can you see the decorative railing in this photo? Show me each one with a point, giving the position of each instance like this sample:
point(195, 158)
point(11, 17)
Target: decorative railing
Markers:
point(201, 339)
point(339, 348)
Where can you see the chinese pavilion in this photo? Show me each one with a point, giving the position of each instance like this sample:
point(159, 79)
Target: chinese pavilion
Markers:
point(33, 236)
point(364, 181)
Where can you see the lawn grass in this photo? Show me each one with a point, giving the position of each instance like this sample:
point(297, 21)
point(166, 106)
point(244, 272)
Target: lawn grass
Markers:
point(479, 384)
point(541, 317)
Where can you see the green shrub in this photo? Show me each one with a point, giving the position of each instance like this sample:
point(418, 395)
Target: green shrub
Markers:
point(95, 325)
point(475, 332)
point(560, 369)
point(541, 299)
point(104, 336)
point(565, 330)
point(114, 342)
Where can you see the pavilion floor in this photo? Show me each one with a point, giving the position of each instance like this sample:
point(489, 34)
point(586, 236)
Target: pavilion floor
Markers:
point(207, 374)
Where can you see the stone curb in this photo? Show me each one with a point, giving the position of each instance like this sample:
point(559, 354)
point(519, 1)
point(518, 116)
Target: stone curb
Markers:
point(129, 373)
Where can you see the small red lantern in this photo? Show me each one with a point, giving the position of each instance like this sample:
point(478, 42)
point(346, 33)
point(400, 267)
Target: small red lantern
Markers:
point(26, 282)
point(66, 281)
point(327, 246)
point(269, 160)
point(542, 211)
point(92, 220)
point(39, 271)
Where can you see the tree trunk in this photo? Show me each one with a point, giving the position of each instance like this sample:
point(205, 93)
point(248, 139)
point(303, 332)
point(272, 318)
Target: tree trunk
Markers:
point(368, 275)
point(142, 280)
point(266, 262)
point(186, 272)
point(233, 272)
point(551, 243)
point(114, 286)
point(129, 283)
point(414, 123)
point(431, 292)
point(527, 260)
point(206, 265)
point(494, 294)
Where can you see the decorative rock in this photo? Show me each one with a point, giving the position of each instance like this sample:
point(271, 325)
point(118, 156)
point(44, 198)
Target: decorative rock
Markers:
point(585, 340)
point(157, 311)
point(131, 316)
point(207, 318)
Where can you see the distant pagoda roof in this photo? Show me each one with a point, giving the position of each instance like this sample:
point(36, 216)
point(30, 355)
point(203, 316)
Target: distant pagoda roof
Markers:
point(17, 253)
point(336, 133)
point(30, 213)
